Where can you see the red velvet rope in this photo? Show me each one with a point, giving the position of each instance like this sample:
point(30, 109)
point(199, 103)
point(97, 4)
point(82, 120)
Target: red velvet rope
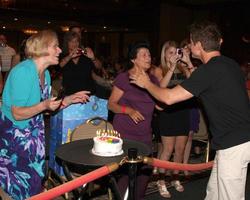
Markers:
point(66, 187)
point(107, 169)
point(177, 166)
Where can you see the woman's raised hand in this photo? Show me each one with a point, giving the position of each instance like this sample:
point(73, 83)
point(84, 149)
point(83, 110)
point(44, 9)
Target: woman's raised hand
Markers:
point(89, 53)
point(75, 53)
point(173, 62)
point(52, 104)
point(78, 97)
point(185, 57)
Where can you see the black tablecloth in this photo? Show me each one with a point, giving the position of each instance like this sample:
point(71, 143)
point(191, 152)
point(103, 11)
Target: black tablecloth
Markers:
point(79, 153)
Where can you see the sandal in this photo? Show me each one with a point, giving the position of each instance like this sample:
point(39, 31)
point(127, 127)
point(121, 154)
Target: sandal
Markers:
point(155, 170)
point(163, 190)
point(177, 185)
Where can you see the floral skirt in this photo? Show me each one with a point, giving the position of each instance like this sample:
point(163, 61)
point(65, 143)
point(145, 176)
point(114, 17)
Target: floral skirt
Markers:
point(22, 157)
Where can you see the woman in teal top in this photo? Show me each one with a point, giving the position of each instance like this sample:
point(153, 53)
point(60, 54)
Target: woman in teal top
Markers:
point(26, 95)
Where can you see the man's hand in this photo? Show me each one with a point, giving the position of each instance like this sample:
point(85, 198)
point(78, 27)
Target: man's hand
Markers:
point(140, 78)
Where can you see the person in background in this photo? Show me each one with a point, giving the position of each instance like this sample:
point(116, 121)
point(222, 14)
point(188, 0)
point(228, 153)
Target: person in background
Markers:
point(20, 56)
point(133, 109)
point(81, 69)
point(114, 67)
point(220, 85)
point(173, 121)
point(194, 115)
point(76, 29)
point(77, 66)
point(1, 83)
point(103, 81)
point(118, 66)
point(90, 53)
point(26, 96)
point(6, 53)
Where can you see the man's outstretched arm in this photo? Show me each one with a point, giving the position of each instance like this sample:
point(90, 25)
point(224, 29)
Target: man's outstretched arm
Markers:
point(165, 95)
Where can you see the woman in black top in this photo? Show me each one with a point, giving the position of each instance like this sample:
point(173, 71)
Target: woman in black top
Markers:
point(77, 65)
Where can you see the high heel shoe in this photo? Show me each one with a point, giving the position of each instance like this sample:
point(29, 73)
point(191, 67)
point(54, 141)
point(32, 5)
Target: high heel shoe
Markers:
point(163, 190)
point(177, 185)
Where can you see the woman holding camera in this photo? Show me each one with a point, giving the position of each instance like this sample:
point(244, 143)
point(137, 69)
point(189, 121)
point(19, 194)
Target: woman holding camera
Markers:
point(77, 65)
point(173, 121)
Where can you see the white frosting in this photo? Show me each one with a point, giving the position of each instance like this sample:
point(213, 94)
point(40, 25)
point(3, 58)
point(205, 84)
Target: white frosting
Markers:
point(107, 146)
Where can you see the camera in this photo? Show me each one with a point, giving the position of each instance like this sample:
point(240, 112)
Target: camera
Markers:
point(179, 51)
point(82, 51)
point(2, 45)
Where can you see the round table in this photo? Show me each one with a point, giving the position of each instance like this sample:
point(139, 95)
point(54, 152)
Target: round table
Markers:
point(79, 153)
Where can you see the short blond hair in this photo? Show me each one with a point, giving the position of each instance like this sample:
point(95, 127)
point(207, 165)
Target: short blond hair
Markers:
point(37, 44)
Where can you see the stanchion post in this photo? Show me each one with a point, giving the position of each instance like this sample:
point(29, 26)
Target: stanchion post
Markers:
point(132, 170)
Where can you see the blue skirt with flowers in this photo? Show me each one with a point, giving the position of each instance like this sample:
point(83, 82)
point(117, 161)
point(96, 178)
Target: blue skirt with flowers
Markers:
point(22, 157)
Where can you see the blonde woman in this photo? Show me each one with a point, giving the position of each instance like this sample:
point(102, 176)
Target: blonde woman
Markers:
point(174, 120)
point(26, 96)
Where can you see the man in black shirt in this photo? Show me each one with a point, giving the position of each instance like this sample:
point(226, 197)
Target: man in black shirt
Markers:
point(220, 85)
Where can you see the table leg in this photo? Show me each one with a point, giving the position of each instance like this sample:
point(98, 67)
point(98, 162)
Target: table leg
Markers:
point(69, 178)
point(114, 188)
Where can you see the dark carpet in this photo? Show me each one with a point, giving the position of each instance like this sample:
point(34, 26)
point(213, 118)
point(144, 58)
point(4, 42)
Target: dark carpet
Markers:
point(195, 189)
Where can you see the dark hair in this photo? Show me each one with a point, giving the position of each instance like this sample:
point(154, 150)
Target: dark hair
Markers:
point(74, 26)
point(22, 50)
point(68, 37)
point(133, 50)
point(185, 42)
point(207, 33)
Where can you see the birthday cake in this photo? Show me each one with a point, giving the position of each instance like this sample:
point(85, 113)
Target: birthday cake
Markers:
point(107, 144)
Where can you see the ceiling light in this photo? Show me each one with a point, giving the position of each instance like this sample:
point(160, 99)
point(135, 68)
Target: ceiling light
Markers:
point(30, 31)
point(65, 28)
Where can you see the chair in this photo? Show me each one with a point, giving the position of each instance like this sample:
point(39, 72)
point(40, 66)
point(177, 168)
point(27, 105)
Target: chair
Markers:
point(203, 135)
point(88, 129)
